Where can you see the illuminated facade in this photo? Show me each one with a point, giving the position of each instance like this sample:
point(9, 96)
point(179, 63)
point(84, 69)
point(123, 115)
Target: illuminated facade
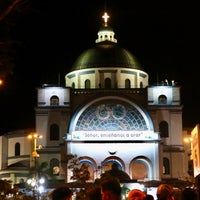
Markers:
point(107, 113)
point(195, 149)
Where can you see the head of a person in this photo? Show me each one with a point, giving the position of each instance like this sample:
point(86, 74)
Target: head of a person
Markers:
point(61, 193)
point(115, 167)
point(94, 193)
point(110, 189)
point(149, 197)
point(136, 194)
point(165, 192)
point(189, 194)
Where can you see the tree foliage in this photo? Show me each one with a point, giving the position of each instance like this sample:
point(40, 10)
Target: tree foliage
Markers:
point(80, 172)
point(40, 170)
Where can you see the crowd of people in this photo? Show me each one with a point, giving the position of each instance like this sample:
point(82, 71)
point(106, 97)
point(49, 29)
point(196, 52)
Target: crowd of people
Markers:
point(110, 189)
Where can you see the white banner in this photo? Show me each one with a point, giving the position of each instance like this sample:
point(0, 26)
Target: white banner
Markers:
point(112, 135)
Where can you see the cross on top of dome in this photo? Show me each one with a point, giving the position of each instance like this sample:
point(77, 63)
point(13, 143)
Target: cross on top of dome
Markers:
point(105, 17)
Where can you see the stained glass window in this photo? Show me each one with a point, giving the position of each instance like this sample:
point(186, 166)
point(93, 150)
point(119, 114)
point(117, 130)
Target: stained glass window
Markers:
point(109, 116)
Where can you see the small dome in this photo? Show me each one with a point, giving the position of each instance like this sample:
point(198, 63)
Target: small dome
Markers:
point(106, 54)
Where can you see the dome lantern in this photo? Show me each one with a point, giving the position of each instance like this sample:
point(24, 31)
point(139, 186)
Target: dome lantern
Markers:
point(106, 33)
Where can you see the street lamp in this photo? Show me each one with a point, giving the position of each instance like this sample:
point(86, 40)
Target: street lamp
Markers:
point(35, 137)
point(188, 139)
point(36, 182)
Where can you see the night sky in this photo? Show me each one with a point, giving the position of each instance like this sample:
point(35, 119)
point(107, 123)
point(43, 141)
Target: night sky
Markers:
point(50, 35)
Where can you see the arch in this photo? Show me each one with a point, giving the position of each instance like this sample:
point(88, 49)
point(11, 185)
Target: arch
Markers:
point(164, 129)
point(54, 100)
point(162, 99)
point(73, 85)
point(87, 84)
point(107, 163)
point(88, 160)
point(127, 83)
point(54, 132)
point(166, 166)
point(141, 168)
point(17, 149)
point(107, 83)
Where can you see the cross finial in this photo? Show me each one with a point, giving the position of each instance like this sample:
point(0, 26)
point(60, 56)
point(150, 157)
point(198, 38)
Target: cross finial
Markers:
point(105, 17)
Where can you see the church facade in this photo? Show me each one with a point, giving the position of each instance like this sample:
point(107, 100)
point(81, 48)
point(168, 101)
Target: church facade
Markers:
point(106, 113)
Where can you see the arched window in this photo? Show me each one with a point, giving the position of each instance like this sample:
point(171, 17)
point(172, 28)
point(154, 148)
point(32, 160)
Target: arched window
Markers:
point(162, 99)
point(127, 83)
point(107, 83)
point(87, 84)
point(73, 85)
point(54, 132)
point(54, 166)
point(54, 101)
point(140, 168)
point(17, 149)
point(163, 129)
point(111, 113)
point(166, 166)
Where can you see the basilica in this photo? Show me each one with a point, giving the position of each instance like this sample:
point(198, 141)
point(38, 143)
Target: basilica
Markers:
point(107, 113)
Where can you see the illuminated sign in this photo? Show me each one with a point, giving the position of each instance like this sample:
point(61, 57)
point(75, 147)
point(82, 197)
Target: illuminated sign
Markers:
point(112, 135)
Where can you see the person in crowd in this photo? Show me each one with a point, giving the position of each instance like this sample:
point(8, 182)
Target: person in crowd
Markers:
point(110, 189)
point(189, 194)
point(116, 172)
point(94, 193)
point(165, 192)
point(149, 197)
point(136, 194)
point(177, 192)
point(61, 193)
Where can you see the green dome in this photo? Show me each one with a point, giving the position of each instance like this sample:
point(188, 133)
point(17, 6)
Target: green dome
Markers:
point(106, 54)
